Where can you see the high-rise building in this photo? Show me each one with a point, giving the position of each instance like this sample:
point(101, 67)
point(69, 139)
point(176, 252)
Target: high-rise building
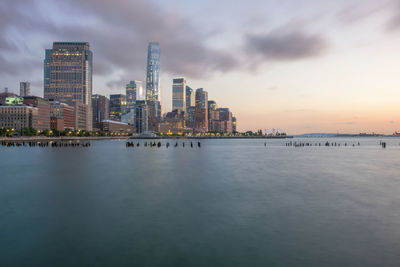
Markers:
point(190, 97)
point(179, 94)
point(141, 116)
point(153, 90)
point(43, 121)
point(24, 89)
point(100, 110)
point(201, 111)
point(234, 124)
point(133, 90)
point(68, 74)
point(117, 106)
point(153, 72)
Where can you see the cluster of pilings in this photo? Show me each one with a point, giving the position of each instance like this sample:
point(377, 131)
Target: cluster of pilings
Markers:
point(318, 144)
point(45, 144)
point(159, 144)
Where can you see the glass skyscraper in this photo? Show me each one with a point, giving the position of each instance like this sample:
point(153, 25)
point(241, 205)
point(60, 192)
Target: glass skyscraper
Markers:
point(201, 111)
point(179, 94)
point(153, 72)
point(133, 90)
point(153, 90)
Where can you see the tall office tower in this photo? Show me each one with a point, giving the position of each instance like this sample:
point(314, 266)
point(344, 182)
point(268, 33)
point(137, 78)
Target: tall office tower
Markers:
point(24, 89)
point(141, 116)
point(68, 75)
point(100, 110)
point(153, 73)
point(179, 94)
point(133, 91)
point(190, 97)
point(201, 111)
point(153, 90)
point(117, 106)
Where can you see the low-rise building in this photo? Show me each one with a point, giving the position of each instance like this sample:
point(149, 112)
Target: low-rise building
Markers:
point(116, 126)
point(43, 106)
point(19, 117)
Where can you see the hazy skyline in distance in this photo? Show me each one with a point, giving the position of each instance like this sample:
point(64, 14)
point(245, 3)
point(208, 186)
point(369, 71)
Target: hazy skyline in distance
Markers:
point(300, 66)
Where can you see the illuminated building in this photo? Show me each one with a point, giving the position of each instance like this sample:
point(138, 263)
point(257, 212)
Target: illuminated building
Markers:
point(117, 106)
point(81, 117)
point(201, 111)
point(133, 91)
point(100, 109)
point(68, 75)
point(116, 126)
point(153, 90)
point(234, 124)
point(24, 89)
point(179, 94)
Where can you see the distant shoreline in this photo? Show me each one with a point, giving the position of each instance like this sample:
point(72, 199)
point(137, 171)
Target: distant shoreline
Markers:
point(61, 138)
point(211, 137)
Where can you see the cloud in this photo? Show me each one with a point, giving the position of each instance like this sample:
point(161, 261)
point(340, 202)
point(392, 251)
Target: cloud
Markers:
point(285, 46)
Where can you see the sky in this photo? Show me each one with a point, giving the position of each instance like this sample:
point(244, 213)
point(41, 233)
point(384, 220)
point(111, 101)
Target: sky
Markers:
point(298, 66)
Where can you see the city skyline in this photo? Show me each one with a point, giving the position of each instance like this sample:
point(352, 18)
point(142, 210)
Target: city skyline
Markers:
point(331, 68)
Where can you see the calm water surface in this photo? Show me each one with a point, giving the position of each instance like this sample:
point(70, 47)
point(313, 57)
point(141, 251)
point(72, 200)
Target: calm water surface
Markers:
point(229, 203)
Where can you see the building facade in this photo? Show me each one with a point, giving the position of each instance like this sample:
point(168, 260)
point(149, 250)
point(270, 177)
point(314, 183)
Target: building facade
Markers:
point(62, 116)
point(117, 106)
point(24, 89)
point(43, 121)
point(68, 74)
point(141, 117)
point(201, 111)
point(190, 97)
point(19, 117)
point(179, 94)
point(133, 89)
point(153, 90)
point(100, 110)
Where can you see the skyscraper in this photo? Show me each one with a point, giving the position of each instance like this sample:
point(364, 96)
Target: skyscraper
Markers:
point(201, 111)
point(68, 74)
point(153, 72)
point(133, 90)
point(153, 91)
point(190, 97)
point(117, 106)
point(24, 89)
point(179, 94)
point(100, 110)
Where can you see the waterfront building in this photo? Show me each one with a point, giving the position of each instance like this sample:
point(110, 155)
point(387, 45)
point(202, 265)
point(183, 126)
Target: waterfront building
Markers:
point(201, 111)
point(24, 89)
point(190, 97)
point(82, 117)
point(220, 120)
point(19, 117)
point(117, 106)
point(100, 109)
point(68, 74)
point(43, 121)
point(141, 116)
point(133, 90)
point(62, 116)
point(234, 124)
point(153, 90)
point(174, 122)
point(179, 94)
point(116, 126)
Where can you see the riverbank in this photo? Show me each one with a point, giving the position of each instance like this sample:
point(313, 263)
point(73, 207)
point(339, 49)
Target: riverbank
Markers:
point(61, 138)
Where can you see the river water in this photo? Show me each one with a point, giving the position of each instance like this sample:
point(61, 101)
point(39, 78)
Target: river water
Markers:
point(228, 203)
